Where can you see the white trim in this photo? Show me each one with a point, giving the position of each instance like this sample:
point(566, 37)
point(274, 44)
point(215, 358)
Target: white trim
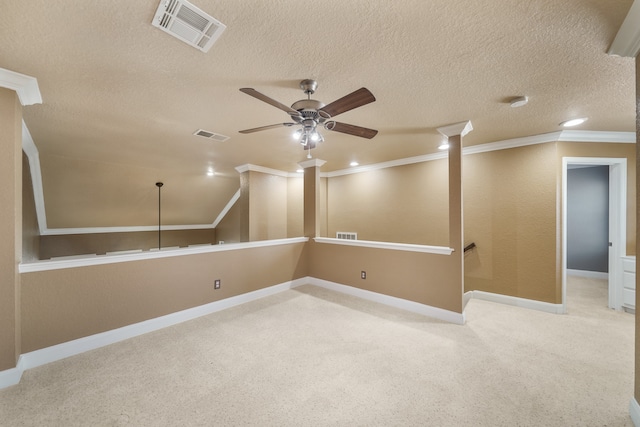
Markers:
point(30, 149)
point(261, 169)
point(384, 165)
point(92, 342)
point(461, 129)
point(403, 304)
point(587, 274)
point(25, 86)
point(547, 307)
point(441, 250)
point(634, 412)
point(597, 136)
point(57, 264)
point(466, 298)
point(12, 376)
point(627, 41)
point(313, 163)
point(226, 209)
point(512, 143)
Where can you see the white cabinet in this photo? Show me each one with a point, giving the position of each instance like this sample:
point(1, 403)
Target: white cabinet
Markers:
point(629, 282)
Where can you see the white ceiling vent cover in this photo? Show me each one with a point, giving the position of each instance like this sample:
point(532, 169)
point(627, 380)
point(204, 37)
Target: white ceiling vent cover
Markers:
point(211, 135)
point(185, 21)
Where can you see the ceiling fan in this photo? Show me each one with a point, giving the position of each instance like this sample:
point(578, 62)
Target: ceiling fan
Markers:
point(309, 113)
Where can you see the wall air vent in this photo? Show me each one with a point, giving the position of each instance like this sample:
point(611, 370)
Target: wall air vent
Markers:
point(185, 21)
point(211, 135)
point(346, 235)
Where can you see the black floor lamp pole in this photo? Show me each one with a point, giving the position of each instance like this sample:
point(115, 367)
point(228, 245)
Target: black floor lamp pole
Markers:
point(159, 185)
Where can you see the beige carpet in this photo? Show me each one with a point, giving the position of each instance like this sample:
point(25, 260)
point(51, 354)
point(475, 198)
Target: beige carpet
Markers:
point(310, 357)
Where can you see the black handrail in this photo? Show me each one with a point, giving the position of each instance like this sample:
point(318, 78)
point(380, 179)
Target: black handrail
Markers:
point(469, 246)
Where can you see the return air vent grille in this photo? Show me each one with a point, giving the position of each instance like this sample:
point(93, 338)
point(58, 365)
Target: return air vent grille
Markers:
point(186, 22)
point(346, 235)
point(211, 135)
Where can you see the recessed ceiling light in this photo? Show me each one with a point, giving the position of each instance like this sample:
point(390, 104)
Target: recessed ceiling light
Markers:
point(573, 122)
point(300, 171)
point(354, 164)
point(444, 146)
point(210, 172)
point(519, 101)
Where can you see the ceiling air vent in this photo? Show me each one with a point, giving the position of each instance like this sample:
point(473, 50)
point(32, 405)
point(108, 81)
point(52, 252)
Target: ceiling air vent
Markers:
point(211, 135)
point(183, 20)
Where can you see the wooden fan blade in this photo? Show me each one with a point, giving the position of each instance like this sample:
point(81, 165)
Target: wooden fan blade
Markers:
point(351, 129)
point(270, 101)
point(355, 99)
point(277, 125)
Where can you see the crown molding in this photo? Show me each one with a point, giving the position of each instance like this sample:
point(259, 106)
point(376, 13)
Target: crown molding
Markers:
point(261, 169)
point(312, 163)
point(384, 165)
point(461, 129)
point(597, 136)
point(627, 41)
point(25, 86)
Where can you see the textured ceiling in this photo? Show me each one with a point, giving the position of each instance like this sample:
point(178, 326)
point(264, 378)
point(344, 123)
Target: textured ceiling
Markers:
point(121, 98)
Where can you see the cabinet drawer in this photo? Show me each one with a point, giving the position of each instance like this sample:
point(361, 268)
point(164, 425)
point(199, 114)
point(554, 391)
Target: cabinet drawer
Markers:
point(629, 280)
point(629, 298)
point(629, 264)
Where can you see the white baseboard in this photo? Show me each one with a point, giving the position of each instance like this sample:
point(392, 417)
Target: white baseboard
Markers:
point(46, 355)
point(518, 302)
point(634, 412)
point(12, 376)
point(588, 274)
point(466, 298)
point(415, 307)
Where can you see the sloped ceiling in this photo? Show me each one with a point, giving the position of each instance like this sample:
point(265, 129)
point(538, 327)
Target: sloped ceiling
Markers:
point(121, 98)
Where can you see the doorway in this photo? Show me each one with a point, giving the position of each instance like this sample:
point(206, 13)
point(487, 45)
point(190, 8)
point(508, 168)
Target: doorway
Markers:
point(617, 202)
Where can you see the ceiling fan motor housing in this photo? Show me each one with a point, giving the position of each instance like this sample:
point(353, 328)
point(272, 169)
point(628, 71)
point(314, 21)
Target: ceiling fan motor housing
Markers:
point(308, 86)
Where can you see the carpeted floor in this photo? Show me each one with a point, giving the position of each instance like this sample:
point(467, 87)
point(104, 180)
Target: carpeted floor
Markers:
point(312, 357)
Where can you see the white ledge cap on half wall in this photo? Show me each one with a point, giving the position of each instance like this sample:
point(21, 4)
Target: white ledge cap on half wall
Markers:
point(461, 129)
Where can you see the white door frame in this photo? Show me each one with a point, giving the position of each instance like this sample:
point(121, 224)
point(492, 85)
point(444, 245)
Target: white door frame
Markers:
point(617, 223)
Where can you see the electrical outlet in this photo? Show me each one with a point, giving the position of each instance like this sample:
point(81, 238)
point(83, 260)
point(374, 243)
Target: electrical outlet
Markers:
point(216, 284)
point(363, 274)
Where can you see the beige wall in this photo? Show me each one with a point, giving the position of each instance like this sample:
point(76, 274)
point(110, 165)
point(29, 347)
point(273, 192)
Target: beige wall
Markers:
point(62, 305)
point(609, 150)
point(429, 279)
point(10, 226)
point(30, 230)
point(100, 243)
point(295, 208)
point(510, 206)
point(404, 204)
point(267, 207)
